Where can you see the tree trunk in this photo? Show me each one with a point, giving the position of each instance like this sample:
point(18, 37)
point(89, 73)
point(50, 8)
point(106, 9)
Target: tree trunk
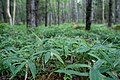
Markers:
point(110, 14)
point(84, 10)
point(3, 11)
point(119, 12)
point(46, 13)
point(75, 12)
point(8, 12)
point(50, 15)
point(14, 11)
point(88, 14)
point(58, 12)
point(103, 13)
point(37, 12)
point(30, 10)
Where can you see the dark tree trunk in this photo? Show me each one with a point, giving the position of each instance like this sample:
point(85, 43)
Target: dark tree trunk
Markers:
point(88, 14)
point(3, 10)
point(116, 5)
point(110, 14)
point(46, 13)
point(30, 10)
point(58, 12)
point(37, 12)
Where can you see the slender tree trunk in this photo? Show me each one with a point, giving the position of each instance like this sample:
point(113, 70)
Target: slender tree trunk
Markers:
point(50, 15)
point(84, 10)
point(103, 8)
point(14, 11)
point(115, 10)
point(58, 12)
point(46, 13)
point(75, 12)
point(37, 12)
point(110, 14)
point(8, 12)
point(119, 11)
point(88, 14)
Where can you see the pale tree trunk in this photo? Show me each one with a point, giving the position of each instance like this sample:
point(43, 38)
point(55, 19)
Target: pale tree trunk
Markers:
point(84, 10)
point(69, 11)
point(14, 11)
point(75, 12)
point(50, 14)
point(55, 13)
point(8, 12)
point(103, 8)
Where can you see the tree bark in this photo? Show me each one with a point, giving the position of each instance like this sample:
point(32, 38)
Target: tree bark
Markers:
point(37, 21)
point(4, 19)
point(46, 13)
point(30, 10)
point(110, 14)
point(14, 11)
point(119, 12)
point(88, 14)
point(8, 12)
point(58, 12)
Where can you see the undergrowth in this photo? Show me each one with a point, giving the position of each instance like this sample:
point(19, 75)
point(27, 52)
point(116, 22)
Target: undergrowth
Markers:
point(69, 54)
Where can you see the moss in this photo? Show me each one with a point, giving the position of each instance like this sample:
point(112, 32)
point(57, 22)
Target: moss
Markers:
point(116, 27)
point(77, 26)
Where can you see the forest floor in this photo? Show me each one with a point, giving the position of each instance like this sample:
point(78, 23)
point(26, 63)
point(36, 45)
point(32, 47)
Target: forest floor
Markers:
point(59, 52)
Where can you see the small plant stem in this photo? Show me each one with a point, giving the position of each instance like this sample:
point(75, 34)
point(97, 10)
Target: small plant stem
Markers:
point(26, 72)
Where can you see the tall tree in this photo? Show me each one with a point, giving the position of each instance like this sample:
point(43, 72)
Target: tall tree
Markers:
point(88, 14)
point(37, 12)
point(30, 13)
point(8, 12)
point(84, 10)
point(58, 12)
point(3, 11)
point(14, 12)
point(75, 11)
point(110, 14)
point(46, 12)
point(119, 11)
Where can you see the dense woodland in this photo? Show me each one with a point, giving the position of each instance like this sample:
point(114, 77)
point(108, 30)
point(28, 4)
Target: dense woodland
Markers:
point(59, 39)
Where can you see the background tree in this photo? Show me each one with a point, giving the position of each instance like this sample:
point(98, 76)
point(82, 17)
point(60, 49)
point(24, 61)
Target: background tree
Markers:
point(110, 14)
point(88, 14)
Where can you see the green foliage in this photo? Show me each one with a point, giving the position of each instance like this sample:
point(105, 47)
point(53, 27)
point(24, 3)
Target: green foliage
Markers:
point(60, 50)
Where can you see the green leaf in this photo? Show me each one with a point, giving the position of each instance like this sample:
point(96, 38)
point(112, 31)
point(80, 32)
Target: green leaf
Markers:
point(107, 58)
point(77, 66)
point(117, 61)
point(87, 44)
point(32, 68)
point(18, 68)
point(98, 64)
point(113, 75)
point(47, 57)
point(56, 54)
point(93, 55)
point(70, 72)
point(82, 49)
point(12, 68)
point(95, 74)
